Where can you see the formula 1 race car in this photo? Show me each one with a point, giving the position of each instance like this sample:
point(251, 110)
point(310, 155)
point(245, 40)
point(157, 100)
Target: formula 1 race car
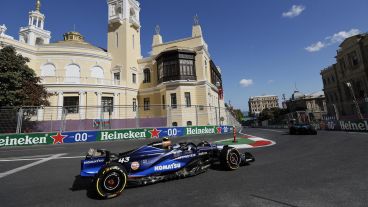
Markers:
point(302, 129)
point(156, 162)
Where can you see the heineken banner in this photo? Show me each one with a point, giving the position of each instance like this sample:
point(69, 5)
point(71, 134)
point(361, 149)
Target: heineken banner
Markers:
point(107, 135)
point(358, 126)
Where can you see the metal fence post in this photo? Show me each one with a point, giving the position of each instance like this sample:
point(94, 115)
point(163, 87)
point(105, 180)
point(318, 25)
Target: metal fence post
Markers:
point(63, 119)
point(136, 108)
point(196, 111)
point(217, 118)
point(19, 120)
point(168, 116)
point(101, 117)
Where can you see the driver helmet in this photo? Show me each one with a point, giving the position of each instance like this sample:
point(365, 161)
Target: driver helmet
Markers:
point(166, 143)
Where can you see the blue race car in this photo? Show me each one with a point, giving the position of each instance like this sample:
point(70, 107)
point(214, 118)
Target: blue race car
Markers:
point(156, 162)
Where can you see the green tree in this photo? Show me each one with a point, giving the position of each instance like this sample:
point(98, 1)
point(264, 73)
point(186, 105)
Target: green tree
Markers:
point(272, 114)
point(239, 115)
point(19, 83)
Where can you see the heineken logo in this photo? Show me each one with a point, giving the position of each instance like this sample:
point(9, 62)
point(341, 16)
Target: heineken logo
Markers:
point(21, 141)
point(354, 126)
point(115, 135)
point(205, 130)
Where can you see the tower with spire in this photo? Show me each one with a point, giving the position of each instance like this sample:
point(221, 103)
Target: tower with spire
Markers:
point(197, 29)
point(124, 39)
point(34, 33)
point(157, 38)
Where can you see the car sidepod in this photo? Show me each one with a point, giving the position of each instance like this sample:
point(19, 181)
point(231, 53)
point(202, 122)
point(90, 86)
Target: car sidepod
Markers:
point(91, 167)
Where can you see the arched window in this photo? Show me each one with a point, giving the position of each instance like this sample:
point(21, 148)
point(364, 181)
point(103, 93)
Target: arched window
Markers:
point(147, 75)
point(48, 70)
point(72, 74)
point(175, 124)
point(97, 74)
point(189, 123)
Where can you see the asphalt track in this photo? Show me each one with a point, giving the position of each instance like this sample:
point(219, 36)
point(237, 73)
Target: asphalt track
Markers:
point(329, 169)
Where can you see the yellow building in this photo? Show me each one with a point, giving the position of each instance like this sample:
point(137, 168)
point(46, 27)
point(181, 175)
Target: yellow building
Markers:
point(258, 103)
point(179, 82)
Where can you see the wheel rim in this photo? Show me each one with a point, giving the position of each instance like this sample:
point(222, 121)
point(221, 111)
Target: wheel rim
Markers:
point(112, 181)
point(233, 159)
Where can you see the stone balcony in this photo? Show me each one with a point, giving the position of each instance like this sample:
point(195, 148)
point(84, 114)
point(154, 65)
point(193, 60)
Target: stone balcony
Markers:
point(79, 80)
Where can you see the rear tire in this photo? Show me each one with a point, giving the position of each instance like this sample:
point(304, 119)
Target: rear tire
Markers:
point(110, 181)
point(230, 158)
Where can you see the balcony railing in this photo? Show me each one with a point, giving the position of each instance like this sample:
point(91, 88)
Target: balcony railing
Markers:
point(78, 80)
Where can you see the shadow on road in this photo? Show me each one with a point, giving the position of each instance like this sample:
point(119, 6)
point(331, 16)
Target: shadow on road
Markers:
point(83, 183)
point(275, 201)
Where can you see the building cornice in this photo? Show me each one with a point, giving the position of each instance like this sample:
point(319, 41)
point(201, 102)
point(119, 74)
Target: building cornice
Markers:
point(78, 86)
point(164, 85)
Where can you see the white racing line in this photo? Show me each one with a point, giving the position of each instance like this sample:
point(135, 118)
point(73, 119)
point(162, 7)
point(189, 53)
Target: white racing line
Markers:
point(272, 130)
point(36, 157)
point(40, 161)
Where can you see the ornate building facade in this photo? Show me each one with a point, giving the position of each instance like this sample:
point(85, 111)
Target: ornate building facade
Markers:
point(258, 103)
point(346, 82)
point(175, 77)
point(313, 105)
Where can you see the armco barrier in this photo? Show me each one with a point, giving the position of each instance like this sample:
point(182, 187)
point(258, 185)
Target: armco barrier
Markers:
point(12, 140)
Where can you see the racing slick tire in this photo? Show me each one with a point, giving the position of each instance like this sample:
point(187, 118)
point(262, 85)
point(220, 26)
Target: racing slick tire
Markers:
point(110, 181)
point(230, 158)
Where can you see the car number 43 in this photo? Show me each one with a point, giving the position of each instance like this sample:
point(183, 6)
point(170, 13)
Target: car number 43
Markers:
point(124, 159)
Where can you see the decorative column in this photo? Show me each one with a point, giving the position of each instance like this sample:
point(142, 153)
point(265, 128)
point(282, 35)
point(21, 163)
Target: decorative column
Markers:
point(99, 105)
point(82, 105)
point(60, 105)
point(116, 104)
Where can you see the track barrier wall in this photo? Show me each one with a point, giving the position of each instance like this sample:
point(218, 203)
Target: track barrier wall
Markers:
point(13, 140)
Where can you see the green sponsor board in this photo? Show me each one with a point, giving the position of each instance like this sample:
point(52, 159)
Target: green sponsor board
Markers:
point(24, 140)
point(123, 134)
point(13, 140)
point(201, 130)
point(354, 125)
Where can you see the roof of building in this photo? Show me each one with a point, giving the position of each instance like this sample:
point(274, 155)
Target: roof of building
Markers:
point(297, 95)
point(264, 96)
point(318, 94)
point(353, 37)
point(74, 39)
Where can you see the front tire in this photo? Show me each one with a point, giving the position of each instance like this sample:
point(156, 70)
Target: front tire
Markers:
point(230, 158)
point(110, 181)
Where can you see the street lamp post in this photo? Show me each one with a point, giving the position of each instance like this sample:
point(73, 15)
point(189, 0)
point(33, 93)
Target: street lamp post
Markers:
point(366, 103)
point(360, 116)
point(218, 85)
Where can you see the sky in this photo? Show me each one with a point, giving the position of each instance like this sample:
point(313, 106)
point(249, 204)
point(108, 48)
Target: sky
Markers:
point(263, 47)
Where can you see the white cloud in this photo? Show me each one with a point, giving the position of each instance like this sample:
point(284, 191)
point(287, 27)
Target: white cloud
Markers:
point(315, 47)
point(330, 40)
point(295, 11)
point(270, 81)
point(340, 36)
point(246, 82)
